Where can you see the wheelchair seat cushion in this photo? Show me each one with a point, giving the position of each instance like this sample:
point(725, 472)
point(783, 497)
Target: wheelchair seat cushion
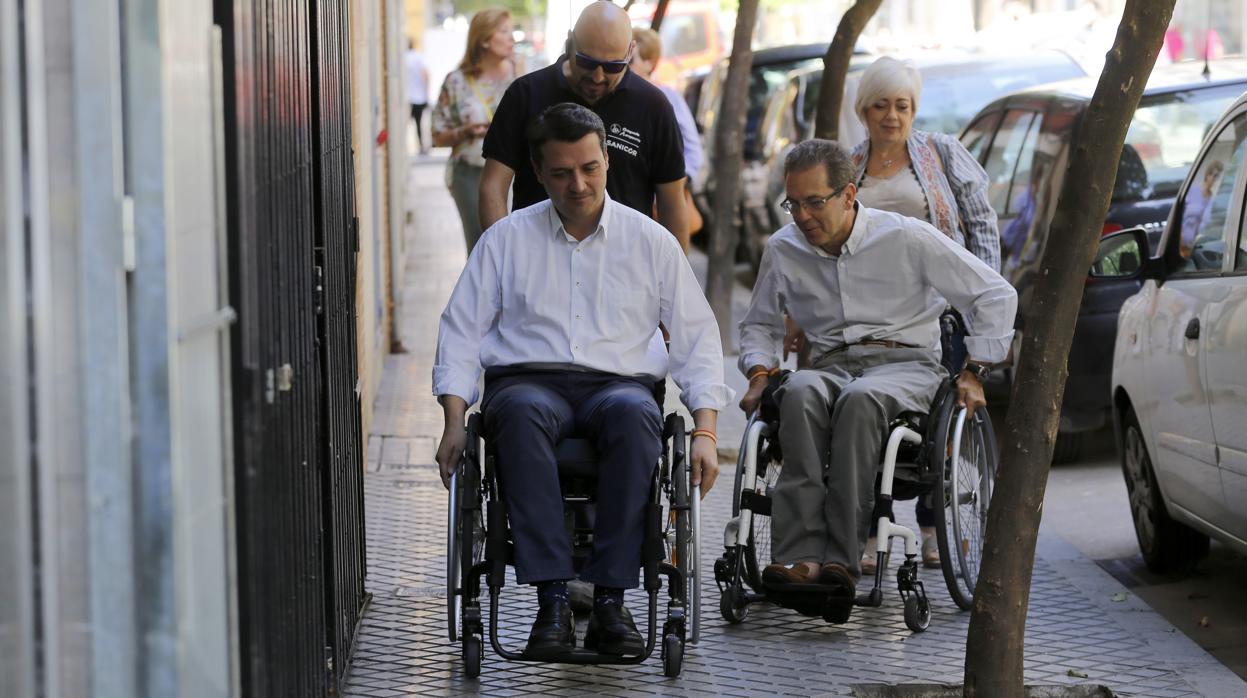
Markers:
point(576, 458)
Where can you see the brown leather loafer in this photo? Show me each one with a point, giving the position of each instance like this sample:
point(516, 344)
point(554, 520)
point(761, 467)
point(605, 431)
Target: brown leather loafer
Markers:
point(834, 574)
point(800, 573)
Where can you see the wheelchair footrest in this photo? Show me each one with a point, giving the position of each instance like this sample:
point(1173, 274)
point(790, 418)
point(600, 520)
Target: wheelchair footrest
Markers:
point(580, 655)
point(833, 603)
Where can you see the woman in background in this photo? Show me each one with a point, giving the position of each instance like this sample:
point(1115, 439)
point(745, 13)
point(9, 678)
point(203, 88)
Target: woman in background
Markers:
point(466, 105)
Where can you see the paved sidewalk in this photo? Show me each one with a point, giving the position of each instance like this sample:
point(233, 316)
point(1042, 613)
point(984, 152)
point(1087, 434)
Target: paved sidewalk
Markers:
point(1083, 627)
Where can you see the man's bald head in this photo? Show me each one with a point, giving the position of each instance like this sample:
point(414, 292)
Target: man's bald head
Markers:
point(603, 27)
point(602, 33)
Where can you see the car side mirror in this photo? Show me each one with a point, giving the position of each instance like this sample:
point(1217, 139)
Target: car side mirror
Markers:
point(1122, 255)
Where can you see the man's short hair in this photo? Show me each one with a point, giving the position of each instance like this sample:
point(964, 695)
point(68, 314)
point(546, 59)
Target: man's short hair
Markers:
point(648, 43)
point(887, 78)
point(566, 123)
point(821, 152)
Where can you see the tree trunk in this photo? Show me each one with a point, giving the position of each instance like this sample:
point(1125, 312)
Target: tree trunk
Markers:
point(836, 67)
point(729, 149)
point(659, 13)
point(994, 646)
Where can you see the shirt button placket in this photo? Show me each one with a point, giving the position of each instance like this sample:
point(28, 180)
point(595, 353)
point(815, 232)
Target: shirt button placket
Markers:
point(577, 301)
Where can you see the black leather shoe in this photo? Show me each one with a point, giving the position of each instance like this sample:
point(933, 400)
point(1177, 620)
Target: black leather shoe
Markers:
point(554, 631)
point(611, 631)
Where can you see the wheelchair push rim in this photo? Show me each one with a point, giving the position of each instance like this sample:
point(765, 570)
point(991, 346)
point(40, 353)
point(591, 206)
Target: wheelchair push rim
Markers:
point(967, 478)
point(757, 551)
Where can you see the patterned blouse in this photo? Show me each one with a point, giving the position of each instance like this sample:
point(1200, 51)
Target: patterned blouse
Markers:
point(956, 189)
point(467, 100)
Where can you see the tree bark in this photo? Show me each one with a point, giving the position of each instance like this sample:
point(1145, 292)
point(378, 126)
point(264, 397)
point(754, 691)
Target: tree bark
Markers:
point(994, 646)
point(836, 67)
point(729, 148)
point(659, 13)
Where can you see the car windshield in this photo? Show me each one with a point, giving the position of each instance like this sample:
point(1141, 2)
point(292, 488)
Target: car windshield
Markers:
point(1164, 138)
point(949, 99)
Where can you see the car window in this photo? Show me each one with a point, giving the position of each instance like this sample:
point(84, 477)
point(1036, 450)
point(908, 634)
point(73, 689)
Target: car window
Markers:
point(979, 134)
point(809, 105)
point(1164, 139)
point(1019, 190)
point(1206, 205)
point(763, 82)
point(1005, 154)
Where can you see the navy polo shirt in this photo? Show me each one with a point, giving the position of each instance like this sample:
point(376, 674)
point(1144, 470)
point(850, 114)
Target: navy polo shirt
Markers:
point(643, 139)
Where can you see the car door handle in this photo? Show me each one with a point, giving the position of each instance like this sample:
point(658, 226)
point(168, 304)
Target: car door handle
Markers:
point(1192, 329)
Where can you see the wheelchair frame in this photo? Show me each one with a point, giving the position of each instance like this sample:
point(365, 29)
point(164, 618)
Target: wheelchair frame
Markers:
point(483, 549)
point(936, 449)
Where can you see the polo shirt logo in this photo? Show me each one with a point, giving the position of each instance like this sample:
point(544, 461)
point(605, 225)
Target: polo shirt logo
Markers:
point(624, 138)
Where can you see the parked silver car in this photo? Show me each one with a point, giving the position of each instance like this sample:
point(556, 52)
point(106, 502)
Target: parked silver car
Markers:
point(1179, 381)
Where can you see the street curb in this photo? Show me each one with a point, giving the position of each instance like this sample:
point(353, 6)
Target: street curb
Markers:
point(1181, 654)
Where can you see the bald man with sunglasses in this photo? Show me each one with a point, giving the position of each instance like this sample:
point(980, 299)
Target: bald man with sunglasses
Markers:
point(643, 140)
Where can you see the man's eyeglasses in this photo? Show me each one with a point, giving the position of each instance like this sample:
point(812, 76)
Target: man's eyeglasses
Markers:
point(811, 205)
point(591, 64)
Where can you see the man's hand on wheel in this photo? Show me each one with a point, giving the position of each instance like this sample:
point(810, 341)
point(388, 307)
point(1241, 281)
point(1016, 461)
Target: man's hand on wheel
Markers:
point(704, 463)
point(970, 393)
point(450, 451)
point(753, 396)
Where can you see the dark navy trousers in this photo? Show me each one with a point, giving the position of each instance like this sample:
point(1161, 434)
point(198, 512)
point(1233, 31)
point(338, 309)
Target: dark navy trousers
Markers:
point(527, 412)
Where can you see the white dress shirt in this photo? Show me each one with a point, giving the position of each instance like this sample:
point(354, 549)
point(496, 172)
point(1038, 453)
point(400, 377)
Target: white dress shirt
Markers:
point(891, 281)
point(531, 295)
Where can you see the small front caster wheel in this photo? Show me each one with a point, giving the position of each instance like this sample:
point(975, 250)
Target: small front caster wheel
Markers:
point(672, 655)
point(917, 613)
point(472, 656)
point(732, 612)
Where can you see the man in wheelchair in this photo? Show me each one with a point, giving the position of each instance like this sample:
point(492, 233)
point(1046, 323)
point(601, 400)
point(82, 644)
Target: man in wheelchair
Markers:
point(560, 303)
point(868, 288)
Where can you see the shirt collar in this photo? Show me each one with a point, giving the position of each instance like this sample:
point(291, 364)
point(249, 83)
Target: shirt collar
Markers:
point(604, 223)
point(861, 225)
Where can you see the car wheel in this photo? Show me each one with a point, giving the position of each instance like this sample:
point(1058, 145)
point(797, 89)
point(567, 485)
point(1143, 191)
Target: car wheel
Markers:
point(1167, 545)
point(1067, 448)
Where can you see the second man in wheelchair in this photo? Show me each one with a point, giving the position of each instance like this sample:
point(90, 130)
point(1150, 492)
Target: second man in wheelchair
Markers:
point(560, 303)
point(868, 288)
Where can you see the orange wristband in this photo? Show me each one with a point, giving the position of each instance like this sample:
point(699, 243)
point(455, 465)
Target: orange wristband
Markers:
point(706, 433)
point(758, 372)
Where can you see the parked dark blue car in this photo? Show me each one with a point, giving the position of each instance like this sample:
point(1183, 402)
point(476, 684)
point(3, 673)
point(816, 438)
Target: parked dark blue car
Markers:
point(1024, 140)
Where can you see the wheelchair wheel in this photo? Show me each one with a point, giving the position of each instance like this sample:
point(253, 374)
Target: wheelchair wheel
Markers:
point(465, 541)
point(472, 655)
point(733, 611)
point(672, 655)
point(967, 478)
point(757, 554)
point(917, 613)
point(681, 535)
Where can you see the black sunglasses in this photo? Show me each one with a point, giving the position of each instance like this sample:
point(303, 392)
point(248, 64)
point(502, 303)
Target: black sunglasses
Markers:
point(591, 64)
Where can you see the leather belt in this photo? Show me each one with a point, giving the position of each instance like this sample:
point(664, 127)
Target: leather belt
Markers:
point(870, 343)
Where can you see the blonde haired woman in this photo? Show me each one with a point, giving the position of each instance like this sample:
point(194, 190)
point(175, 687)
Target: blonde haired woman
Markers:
point(466, 105)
